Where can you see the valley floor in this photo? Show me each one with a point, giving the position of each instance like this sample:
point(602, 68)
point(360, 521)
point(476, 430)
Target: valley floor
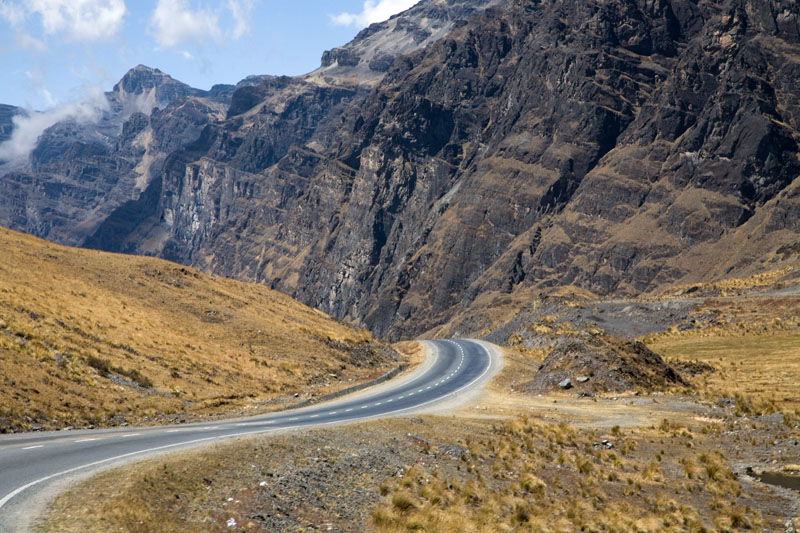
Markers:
point(508, 461)
point(686, 458)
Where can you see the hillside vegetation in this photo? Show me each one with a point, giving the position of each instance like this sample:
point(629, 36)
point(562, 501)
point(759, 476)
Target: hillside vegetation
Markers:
point(684, 456)
point(90, 338)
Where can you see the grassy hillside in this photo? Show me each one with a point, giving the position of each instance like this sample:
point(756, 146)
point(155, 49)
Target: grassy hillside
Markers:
point(754, 344)
point(90, 338)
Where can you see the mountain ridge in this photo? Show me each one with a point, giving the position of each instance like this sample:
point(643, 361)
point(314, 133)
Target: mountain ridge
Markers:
point(614, 146)
point(103, 153)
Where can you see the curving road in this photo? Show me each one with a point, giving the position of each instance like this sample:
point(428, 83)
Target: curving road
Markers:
point(31, 462)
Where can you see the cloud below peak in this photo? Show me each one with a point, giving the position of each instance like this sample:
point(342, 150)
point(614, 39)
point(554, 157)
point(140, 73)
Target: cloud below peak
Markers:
point(28, 127)
point(372, 11)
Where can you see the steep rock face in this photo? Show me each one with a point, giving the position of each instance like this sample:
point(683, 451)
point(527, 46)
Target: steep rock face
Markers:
point(7, 114)
point(227, 172)
point(374, 49)
point(613, 145)
point(79, 173)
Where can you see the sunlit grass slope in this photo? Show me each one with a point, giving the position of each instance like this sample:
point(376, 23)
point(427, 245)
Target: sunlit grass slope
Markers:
point(89, 338)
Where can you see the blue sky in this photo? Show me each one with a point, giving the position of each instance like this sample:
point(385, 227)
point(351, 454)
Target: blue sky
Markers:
point(54, 51)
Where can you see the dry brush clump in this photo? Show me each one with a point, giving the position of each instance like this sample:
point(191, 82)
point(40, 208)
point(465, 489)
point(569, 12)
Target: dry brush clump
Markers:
point(531, 476)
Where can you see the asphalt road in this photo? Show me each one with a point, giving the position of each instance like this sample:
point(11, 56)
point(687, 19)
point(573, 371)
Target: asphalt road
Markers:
point(31, 462)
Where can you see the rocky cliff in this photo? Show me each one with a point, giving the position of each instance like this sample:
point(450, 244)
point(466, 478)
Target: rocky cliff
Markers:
point(82, 169)
point(366, 58)
point(613, 145)
point(7, 114)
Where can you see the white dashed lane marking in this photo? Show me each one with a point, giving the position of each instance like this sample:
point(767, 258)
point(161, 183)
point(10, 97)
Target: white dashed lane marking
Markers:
point(85, 440)
point(33, 447)
point(130, 435)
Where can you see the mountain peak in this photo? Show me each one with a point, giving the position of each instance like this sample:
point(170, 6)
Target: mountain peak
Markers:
point(142, 77)
point(370, 54)
point(144, 80)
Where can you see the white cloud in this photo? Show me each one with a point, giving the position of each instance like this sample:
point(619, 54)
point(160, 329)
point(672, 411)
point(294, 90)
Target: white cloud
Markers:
point(48, 97)
point(29, 127)
point(80, 20)
point(173, 22)
point(13, 13)
point(373, 11)
point(240, 11)
point(29, 42)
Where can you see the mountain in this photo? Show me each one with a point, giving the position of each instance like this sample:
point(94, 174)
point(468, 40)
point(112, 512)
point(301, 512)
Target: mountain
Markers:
point(102, 153)
point(615, 146)
point(464, 154)
point(366, 58)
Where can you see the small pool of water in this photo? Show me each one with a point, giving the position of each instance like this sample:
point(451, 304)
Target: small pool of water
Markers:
point(789, 481)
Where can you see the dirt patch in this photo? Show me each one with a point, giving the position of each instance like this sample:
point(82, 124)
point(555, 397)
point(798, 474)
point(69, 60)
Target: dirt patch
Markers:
point(598, 363)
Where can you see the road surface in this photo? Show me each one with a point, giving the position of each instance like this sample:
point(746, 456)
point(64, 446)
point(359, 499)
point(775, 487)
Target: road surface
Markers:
point(30, 463)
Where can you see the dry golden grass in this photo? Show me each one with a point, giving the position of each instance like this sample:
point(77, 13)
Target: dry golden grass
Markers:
point(457, 475)
point(414, 351)
point(736, 286)
point(753, 341)
point(765, 367)
point(754, 344)
point(528, 476)
point(94, 338)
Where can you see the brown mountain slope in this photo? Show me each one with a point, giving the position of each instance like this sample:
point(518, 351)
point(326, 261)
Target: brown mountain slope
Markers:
point(614, 145)
point(94, 338)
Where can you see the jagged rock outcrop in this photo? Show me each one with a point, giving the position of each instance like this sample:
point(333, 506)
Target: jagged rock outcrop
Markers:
point(366, 58)
point(149, 87)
